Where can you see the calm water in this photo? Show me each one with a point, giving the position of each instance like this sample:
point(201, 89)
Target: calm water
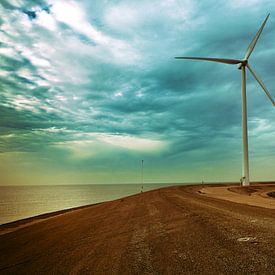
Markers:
point(18, 202)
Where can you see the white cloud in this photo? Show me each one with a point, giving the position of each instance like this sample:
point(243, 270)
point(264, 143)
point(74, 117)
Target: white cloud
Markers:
point(46, 20)
point(125, 17)
point(260, 126)
point(112, 49)
point(22, 103)
point(118, 94)
point(132, 143)
point(37, 61)
point(33, 56)
point(4, 73)
point(78, 148)
point(56, 130)
point(244, 3)
point(72, 14)
point(131, 17)
point(26, 73)
point(16, 3)
point(41, 82)
point(8, 52)
point(61, 98)
point(123, 141)
point(93, 144)
point(23, 20)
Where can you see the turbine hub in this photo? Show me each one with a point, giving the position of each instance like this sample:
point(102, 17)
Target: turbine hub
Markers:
point(243, 63)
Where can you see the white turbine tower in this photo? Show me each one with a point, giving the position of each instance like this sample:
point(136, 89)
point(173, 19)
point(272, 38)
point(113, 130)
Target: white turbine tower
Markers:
point(242, 64)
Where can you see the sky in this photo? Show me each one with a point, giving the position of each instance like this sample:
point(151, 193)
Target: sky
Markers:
point(88, 89)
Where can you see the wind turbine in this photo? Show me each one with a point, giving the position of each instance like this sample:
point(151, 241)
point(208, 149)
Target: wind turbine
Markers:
point(242, 64)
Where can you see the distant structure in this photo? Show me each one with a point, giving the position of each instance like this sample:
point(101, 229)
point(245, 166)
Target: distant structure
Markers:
point(142, 175)
point(242, 64)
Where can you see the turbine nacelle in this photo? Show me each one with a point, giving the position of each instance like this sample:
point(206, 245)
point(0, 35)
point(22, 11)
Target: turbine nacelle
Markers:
point(243, 63)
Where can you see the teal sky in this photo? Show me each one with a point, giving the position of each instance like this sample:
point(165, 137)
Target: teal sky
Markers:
point(90, 88)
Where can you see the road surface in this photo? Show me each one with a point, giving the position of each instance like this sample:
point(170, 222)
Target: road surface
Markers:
point(174, 230)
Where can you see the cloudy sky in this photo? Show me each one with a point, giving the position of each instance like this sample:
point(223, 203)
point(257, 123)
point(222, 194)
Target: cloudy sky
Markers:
point(90, 88)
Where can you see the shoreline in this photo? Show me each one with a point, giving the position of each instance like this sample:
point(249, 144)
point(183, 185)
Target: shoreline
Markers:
point(15, 225)
point(63, 211)
point(202, 189)
point(21, 223)
point(98, 196)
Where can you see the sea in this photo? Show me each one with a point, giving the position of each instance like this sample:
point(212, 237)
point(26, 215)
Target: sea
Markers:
point(20, 202)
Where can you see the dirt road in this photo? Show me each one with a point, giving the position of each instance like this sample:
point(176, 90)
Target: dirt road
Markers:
point(168, 231)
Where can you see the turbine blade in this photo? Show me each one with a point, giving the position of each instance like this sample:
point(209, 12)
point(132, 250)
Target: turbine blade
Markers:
point(261, 84)
point(221, 60)
point(254, 40)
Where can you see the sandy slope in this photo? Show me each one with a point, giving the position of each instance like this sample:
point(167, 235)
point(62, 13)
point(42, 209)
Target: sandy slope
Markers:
point(256, 195)
point(167, 231)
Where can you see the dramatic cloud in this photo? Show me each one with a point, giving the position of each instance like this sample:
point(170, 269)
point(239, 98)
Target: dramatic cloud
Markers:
point(89, 88)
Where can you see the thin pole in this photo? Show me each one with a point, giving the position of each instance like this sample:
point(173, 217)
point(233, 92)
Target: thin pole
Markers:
point(142, 172)
point(141, 175)
point(245, 178)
